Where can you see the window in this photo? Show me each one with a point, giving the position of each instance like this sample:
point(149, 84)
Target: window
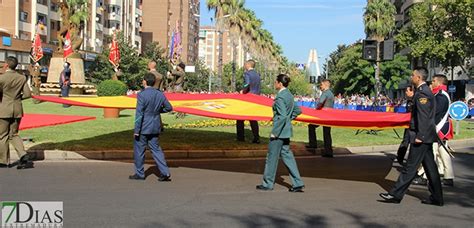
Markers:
point(42, 18)
point(2, 53)
point(23, 16)
point(42, 2)
point(54, 7)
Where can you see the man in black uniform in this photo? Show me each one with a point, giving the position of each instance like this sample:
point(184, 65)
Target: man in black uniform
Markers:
point(422, 135)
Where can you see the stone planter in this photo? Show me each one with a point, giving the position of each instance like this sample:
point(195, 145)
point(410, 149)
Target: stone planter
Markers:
point(111, 112)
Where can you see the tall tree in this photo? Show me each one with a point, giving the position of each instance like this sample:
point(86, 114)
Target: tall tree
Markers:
point(441, 30)
point(334, 58)
point(153, 51)
point(132, 66)
point(199, 80)
point(352, 74)
point(379, 20)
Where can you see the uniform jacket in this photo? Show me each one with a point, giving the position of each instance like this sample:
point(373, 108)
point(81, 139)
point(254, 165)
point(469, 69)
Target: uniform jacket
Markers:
point(158, 80)
point(65, 77)
point(284, 111)
point(422, 122)
point(252, 82)
point(178, 77)
point(441, 115)
point(150, 103)
point(326, 100)
point(13, 88)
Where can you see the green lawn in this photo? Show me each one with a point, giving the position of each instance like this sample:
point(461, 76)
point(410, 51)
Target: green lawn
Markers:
point(117, 134)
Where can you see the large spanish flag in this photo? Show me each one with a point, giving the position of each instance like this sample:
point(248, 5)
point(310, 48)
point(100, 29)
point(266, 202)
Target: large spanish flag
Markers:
point(246, 107)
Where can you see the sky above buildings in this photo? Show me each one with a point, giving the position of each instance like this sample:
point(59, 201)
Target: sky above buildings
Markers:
point(300, 25)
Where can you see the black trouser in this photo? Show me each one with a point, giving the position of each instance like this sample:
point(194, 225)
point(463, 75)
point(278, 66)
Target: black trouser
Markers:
point(402, 149)
point(241, 130)
point(419, 153)
point(326, 136)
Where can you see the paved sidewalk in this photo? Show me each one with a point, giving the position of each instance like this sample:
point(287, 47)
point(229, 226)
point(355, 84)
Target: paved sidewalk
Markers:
point(298, 150)
point(340, 192)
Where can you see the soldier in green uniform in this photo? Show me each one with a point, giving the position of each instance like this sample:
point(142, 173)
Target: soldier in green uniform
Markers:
point(325, 101)
point(14, 89)
point(284, 110)
point(35, 73)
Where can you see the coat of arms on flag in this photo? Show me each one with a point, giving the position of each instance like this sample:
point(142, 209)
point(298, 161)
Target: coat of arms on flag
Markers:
point(67, 45)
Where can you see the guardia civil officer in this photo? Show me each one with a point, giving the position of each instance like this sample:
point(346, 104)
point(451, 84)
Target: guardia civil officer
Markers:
point(284, 111)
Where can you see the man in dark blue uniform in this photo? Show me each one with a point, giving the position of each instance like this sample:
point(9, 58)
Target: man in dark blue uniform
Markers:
point(422, 133)
point(251, 85)
point(150, 103)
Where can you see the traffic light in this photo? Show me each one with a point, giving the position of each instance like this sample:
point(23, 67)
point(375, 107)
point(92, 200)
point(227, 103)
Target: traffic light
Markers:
point(369, 50)
point(387, 50)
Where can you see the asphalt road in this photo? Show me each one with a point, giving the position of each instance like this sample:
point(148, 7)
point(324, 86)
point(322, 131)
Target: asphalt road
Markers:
point(341, 192)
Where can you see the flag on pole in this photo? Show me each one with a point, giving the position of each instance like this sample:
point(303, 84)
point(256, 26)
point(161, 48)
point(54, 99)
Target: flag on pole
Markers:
point(114, 55)
point(175, 46)
point(36, 49)
point(67, 45)
point(172, 46)
point(177, 41)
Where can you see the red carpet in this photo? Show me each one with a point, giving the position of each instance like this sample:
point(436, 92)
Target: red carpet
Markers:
point(43, 120)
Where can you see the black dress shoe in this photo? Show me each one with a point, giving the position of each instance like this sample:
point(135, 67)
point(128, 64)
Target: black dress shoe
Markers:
point(135, 177)
point(420, 181)
point(327, 155)
point(256, 141)
point(432, 202)
point(26, 165)
point(4, 166)
point(448, 182)
point(263, 188)
point(389, 198)
point(296, 189)
point(164, 178)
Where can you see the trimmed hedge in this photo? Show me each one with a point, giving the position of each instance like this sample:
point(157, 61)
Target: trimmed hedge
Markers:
point(111, 88)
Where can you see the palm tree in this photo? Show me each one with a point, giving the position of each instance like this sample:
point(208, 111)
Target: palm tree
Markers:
point(236, 22)
point(379, 20)
point(244, 25)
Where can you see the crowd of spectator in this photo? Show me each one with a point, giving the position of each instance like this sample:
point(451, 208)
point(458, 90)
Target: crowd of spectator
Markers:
point(365, 100)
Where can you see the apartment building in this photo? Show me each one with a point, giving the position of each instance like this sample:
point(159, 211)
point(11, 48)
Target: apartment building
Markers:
point(160, 20)
point(20, 19)
point(209, 48)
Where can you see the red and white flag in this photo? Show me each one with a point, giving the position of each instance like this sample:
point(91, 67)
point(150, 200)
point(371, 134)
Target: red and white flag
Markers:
point(114, 55)
point(36, 49)
point(67, 45)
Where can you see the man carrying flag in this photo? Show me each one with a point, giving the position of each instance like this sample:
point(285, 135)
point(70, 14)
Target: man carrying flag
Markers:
point(34, 69)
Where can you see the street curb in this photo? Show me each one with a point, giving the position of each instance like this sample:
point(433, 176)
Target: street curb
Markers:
point(298, 150)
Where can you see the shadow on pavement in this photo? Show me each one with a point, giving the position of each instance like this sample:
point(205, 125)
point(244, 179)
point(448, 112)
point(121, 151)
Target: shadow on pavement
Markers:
point(363, 168)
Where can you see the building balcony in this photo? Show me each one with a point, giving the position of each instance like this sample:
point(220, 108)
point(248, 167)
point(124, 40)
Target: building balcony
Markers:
point(115, 16)
point(139, 12)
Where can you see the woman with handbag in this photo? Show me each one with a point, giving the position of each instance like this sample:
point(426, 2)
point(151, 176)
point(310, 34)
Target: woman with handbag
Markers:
point(284, 111)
